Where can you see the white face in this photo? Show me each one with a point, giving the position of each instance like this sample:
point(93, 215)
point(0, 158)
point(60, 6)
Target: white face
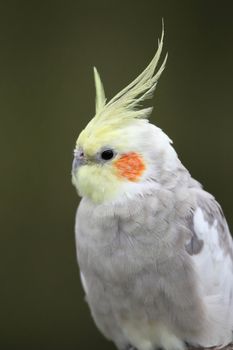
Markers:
point(104, 172)
point(95, 175)
point(125, 165)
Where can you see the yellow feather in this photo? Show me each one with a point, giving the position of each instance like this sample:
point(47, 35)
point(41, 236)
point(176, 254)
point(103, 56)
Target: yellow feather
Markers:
point(100, 95)
point(124, 108)
point(97, 183)
point(111, 125)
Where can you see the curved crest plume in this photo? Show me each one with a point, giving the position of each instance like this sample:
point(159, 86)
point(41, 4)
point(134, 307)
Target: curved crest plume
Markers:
point(100, 95)
point(126, 104)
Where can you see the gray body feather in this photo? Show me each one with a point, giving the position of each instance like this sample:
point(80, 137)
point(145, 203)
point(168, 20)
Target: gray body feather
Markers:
point(137, 260)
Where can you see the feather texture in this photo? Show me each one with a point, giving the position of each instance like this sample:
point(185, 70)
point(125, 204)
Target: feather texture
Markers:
point(125, 106)
point(100, 95)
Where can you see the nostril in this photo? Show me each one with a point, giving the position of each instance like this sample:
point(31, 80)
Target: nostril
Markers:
point(79, 159)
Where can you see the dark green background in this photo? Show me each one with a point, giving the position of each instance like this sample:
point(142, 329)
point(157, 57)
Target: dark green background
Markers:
point(46, 98)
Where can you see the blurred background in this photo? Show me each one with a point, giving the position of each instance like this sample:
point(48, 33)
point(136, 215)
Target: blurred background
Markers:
point(48, 49)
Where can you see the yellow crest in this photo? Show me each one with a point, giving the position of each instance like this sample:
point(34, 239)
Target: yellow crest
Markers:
point(124, 108)
point(125, 104)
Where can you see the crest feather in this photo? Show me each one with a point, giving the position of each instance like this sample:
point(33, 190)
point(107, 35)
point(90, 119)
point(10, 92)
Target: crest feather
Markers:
point(100, 95)
point(125, 106)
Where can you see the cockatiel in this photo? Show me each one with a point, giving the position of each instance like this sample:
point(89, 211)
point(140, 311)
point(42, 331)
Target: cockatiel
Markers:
point(154, 249)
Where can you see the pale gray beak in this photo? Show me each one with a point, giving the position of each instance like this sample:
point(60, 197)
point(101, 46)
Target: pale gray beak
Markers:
point(79, 159)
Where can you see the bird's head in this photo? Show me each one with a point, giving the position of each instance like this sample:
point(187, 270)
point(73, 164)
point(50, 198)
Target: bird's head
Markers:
point(120, 153)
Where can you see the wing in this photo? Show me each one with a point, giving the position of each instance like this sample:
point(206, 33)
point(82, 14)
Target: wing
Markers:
point(211, 250)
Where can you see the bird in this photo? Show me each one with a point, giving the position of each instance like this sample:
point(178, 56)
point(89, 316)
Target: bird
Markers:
point(154, 249)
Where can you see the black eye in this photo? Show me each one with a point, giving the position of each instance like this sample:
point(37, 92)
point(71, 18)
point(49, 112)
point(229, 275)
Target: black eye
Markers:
point(107, 154)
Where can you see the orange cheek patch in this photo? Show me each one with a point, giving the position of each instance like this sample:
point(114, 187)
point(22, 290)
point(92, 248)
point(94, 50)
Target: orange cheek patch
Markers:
point(130, 166)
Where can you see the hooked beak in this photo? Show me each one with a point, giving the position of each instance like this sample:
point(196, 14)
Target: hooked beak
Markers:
point(79, 159)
